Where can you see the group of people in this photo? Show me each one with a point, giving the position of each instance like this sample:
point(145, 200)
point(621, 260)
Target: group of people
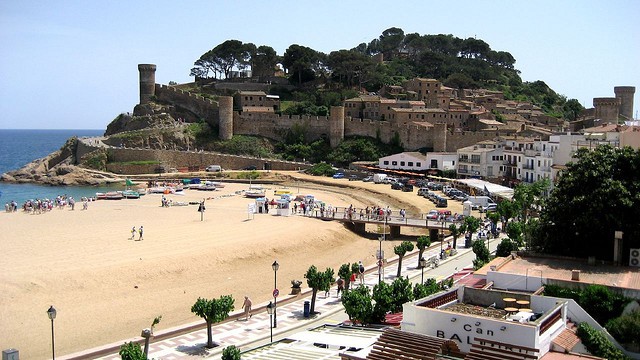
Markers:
point(39, 206)
point(140, 231)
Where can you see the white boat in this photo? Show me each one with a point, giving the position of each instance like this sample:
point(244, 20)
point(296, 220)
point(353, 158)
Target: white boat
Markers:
point(254, 193)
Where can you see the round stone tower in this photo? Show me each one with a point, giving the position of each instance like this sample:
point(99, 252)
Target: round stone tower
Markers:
point(147, 82)
point(607, 109)
point(225, 114)
point(625, 95)
point(336, 125)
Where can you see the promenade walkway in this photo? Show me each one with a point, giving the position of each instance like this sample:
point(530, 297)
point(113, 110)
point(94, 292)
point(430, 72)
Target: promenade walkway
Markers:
point(188, 341)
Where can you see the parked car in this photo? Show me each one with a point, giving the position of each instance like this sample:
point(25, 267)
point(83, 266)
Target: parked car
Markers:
point(396, 186)
point(432, 215)
point(407, 188)
point(353, 177)
point(490, 208)
point(368, 179)
point(338, 175)
point(213, 168)
point(250, 167)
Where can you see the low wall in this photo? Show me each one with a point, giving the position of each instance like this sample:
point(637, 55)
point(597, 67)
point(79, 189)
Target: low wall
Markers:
point(189, 159)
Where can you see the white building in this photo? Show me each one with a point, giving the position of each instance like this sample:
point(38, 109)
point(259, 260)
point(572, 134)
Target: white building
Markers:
point(483, 160)
point(442, 161)
point(413, 161)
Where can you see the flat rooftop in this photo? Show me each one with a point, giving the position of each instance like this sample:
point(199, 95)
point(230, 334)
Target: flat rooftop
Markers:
point(551, 268)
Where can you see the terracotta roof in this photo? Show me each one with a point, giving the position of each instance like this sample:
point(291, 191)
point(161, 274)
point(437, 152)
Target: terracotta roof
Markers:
point(484, 349)
point(396, 344)
point(567, 340)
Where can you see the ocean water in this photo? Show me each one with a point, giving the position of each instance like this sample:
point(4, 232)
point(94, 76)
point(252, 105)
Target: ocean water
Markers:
point(19, 147)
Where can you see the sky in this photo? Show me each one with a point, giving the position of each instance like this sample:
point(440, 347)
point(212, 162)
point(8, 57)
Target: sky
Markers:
point(73, 64)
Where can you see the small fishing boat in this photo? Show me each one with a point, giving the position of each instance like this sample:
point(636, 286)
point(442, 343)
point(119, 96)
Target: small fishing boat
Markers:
point(114, 195)
point(131, 194)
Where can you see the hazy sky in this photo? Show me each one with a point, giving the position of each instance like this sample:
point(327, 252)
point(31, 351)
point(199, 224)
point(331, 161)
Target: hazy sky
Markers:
point(73, 64)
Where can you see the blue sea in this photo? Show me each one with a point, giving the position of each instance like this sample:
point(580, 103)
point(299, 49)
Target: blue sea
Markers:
point(20, 147)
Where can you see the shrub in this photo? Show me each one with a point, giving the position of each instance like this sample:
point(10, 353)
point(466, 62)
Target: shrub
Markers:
point(231, 353)
point(598, 344)
point(626, 328)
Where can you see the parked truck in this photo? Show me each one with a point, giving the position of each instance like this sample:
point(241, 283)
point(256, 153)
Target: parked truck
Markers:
point(379, 178)
point(480, 202)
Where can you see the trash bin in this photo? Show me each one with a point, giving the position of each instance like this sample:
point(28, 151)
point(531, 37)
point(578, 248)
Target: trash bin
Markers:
point(307, 307)
point(467, 242)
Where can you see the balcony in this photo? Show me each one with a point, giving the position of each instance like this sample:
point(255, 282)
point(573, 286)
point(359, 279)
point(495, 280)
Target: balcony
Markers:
point(527, 167)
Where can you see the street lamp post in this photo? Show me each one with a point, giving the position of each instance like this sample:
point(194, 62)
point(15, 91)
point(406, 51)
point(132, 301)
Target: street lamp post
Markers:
point(52, 315)
point(270, 311)
point(423, 263)
point(275, 266)
point(380, 257)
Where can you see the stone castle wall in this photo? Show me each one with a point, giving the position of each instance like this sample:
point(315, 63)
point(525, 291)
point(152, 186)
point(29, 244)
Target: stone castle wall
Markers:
point(189, 159)
point(204, 108)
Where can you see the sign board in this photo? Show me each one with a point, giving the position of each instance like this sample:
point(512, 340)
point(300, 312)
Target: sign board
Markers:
point(276, 292)
point(379, 254)
point(251, 208)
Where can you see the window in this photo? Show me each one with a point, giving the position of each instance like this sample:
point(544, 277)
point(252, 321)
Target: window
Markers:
point(418, 164)
point(410, 163)
point(401, 163)
point(394, 163)
point(434, 163)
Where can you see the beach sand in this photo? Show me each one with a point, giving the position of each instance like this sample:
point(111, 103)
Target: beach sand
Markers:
point(107, 287)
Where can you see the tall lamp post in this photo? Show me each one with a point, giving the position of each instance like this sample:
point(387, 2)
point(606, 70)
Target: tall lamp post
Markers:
point(275, 266)
point(270, 311)
point(380, 256)
point(423, 263)
point(52, 315)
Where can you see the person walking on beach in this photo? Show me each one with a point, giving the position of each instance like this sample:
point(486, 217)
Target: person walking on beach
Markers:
point(140, 232)
point(133, 233)
point(246, 305)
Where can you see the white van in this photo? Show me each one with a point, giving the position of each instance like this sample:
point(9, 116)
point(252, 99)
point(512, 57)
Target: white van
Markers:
point(213, 168)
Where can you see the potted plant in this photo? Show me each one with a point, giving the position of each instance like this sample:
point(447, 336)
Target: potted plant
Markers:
point(295, 287)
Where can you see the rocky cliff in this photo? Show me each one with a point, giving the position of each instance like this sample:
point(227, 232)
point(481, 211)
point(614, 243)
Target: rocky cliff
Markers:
point(59, 168)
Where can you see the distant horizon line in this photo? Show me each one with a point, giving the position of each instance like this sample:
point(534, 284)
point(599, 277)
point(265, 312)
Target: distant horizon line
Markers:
point(53, 129)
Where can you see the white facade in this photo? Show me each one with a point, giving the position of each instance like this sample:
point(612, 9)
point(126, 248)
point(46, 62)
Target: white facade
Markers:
point(466, 329)
point(483, 160)
point(442, 161)
point(404, 161)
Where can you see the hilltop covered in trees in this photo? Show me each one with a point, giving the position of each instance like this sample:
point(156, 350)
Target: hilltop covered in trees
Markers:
point(390, 59)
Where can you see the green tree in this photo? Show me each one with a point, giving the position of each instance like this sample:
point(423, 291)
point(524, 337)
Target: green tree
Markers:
point(318, 281)
point(231, 353)
point(357, 304)
point(472, 224)
point(223, 59)
point(423, 242)
point(423, 290)
point(263, 61)
point(505, 248)
point(571, 109)
point(401, 250)
point(455, 232)
point(597, 344)
point(529, 198)
point(482, 254)
point(131, 351)
point(596, 195)
point(390, 297)
point(507, 210)
point(514, 231)
point(299, 58)
point(345, 274)
point(601, 303)
point(626, 328)
point(213, 311)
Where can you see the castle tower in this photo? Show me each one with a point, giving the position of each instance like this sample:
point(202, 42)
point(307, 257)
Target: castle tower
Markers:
point(147, 82)
point(225, 114)
point(625, 95)
point(607, 109)
point(336, 125)
point(440, 137)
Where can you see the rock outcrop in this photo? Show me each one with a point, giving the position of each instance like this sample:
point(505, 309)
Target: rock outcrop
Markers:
point(59, 168)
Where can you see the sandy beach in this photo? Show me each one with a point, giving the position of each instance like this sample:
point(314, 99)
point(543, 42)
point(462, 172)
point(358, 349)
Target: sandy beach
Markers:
point(107, 287)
